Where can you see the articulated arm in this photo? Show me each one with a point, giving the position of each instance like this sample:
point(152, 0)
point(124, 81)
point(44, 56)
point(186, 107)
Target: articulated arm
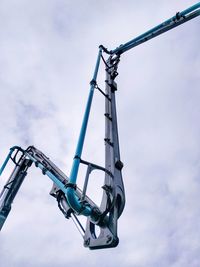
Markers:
point(26, 158)
point(23, 159)
point(71, 200)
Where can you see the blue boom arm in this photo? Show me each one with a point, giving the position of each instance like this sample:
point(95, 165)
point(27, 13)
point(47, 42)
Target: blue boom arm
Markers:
point(71, 200)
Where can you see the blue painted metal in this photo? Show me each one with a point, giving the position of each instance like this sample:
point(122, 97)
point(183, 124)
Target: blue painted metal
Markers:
point(169, 24)
point(74, 199)
point(70, 195)
point(85, 211)
point(165, 26)
point(190, 9)
point(7, 158)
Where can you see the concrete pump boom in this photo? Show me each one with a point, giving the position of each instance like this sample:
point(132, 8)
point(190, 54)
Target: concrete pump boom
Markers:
point(71, 200)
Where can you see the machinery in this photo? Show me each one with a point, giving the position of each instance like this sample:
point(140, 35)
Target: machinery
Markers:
point(73, 201)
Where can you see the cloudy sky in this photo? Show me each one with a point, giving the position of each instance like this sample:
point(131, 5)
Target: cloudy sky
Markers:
point(48, 51)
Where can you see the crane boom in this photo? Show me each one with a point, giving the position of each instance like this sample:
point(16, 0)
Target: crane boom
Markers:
point(178, 19)
point(72, 201)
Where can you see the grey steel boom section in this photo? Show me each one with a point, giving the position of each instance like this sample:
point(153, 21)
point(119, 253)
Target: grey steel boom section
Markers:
point(71, 200)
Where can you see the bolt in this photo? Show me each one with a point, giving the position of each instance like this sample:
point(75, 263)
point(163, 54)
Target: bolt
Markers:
point(87, 242)
point(109, 238)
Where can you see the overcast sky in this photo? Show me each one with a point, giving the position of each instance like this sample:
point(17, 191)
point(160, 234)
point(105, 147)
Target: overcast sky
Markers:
point(48, 51)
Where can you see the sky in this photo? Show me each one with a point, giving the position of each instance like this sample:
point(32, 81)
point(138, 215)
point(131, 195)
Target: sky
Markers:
point(48, 50)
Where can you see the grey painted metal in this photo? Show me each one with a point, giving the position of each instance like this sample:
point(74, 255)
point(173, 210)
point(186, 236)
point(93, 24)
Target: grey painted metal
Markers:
point(12, 187)
point(113, 184)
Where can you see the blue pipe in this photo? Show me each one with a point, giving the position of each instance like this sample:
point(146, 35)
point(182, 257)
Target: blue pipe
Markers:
point(72, 200)
point(151, 33)
point(190, 9)
point(86, 211)
point(7, 158)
